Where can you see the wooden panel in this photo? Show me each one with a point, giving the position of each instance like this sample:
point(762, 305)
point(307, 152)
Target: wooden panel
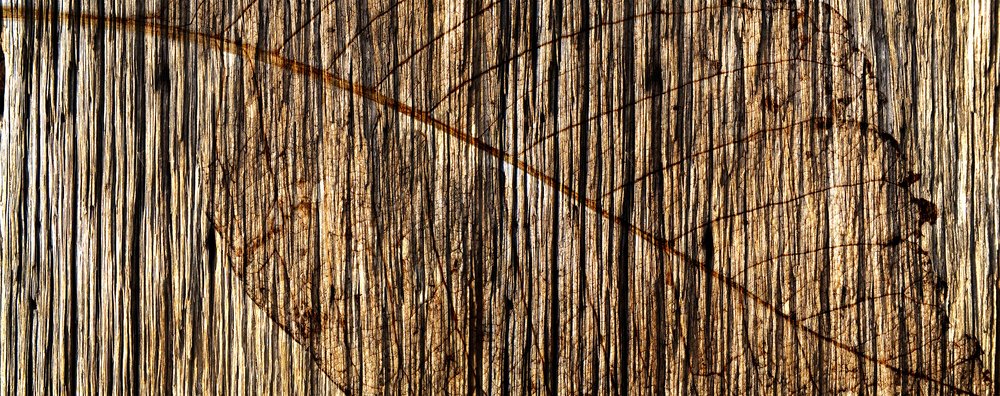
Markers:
point(499, 197)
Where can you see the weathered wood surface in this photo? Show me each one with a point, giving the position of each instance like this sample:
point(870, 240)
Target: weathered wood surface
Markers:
point(500, 197)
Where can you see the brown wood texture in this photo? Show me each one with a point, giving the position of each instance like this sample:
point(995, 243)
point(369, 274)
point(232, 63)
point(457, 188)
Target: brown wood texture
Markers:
point(499, 197)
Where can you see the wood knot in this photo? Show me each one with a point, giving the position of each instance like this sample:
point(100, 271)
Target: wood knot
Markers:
point(926, 210)
point(823, 123)
point(909, 180)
